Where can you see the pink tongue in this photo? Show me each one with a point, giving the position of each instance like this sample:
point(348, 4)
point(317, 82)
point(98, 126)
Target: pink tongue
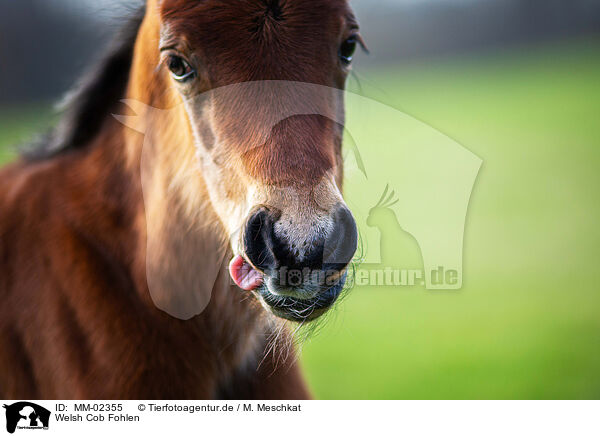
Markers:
point(244, 275)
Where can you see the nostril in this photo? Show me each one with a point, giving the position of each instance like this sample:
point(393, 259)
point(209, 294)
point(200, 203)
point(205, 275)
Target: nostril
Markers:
point(341, 243)
point(258, 240)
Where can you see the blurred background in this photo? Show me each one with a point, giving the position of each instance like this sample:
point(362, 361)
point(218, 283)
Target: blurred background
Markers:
point(517, 82)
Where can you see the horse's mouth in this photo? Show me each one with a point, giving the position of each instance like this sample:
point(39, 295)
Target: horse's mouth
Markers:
point(285, 306)
point(301, 310)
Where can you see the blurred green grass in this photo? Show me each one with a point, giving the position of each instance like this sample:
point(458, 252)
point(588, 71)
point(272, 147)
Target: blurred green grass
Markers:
point(19, 124)
point(526, 323)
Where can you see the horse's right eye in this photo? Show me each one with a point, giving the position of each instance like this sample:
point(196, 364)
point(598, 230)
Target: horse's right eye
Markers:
point(180, 68)
point(347, 50)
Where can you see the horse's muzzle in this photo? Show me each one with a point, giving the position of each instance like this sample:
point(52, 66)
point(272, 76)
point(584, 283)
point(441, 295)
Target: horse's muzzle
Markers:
point(298, 285)
point(302, 310)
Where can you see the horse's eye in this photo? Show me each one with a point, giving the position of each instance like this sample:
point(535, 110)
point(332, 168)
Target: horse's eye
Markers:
point(180, 68)
point(347, 50)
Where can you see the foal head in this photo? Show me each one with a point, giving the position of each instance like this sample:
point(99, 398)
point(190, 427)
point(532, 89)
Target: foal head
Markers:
point(259, 82)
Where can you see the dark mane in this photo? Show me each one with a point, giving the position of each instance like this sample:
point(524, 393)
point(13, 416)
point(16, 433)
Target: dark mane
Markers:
point(93, 98)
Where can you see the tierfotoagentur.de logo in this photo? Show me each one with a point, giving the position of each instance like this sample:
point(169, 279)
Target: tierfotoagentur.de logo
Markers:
point(26, 416)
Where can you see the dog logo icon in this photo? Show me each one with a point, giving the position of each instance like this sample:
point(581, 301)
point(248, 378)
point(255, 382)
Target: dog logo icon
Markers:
point(25, 415)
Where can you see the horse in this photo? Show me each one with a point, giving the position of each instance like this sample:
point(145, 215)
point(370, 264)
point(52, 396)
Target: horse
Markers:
point(107, 232)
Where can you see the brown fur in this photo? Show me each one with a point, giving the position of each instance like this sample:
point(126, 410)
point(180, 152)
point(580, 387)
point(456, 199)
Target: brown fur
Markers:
point(77, 319)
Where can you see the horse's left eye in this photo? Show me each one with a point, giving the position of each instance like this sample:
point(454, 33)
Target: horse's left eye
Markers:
point(180, 68)
point(347, 50)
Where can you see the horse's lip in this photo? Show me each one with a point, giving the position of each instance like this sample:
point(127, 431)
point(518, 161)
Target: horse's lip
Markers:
point(300, 310)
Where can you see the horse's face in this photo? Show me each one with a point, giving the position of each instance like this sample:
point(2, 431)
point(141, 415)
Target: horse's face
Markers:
point(272, 165)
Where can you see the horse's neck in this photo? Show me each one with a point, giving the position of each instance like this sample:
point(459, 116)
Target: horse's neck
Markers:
point(121, 195)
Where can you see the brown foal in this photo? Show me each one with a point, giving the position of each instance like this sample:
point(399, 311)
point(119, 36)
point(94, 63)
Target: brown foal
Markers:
point(99, 214)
